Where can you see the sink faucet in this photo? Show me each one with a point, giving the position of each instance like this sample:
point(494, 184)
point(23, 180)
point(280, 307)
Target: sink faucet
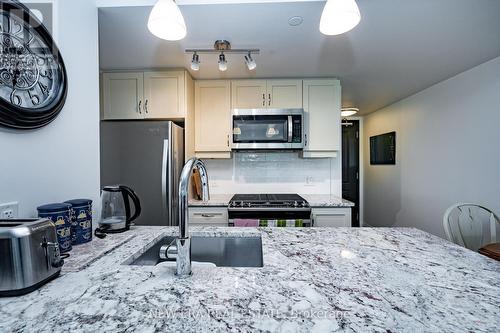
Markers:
point(181, 250)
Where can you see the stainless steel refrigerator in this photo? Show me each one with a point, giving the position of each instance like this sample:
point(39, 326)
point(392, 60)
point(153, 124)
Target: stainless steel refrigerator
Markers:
point(147, 156)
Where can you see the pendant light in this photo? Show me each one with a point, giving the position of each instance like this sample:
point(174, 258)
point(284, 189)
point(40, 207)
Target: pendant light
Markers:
point(166, 21)
point(339, 16)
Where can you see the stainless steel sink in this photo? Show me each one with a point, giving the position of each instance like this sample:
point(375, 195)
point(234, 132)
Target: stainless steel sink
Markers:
point(221, 251)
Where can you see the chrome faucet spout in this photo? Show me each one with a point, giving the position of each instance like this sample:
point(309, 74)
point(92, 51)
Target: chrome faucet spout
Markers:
point(183, 243)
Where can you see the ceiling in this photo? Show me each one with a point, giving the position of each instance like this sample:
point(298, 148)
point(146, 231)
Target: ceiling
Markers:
point(398, 49)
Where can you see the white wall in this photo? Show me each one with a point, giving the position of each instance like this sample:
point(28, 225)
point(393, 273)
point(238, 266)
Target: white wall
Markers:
point(60, 161)
point(275, 172)
point(447, 151)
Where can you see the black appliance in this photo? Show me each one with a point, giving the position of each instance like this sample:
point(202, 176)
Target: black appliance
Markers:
point(270, 207)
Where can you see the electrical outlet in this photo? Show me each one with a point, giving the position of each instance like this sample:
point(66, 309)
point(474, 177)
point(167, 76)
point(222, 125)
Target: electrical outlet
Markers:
point(9, 210)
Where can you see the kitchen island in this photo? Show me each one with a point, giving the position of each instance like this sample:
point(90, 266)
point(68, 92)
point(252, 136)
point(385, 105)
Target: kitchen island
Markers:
point(313, 280)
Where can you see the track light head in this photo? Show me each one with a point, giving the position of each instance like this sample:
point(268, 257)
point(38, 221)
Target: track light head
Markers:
point(251, 64)
point(222, 62)
point(195, 63)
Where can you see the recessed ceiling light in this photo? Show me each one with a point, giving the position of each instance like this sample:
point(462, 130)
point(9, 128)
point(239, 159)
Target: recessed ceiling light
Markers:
point(295, 21)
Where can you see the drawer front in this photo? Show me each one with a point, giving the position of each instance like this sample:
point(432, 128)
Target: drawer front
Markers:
point(208, 216)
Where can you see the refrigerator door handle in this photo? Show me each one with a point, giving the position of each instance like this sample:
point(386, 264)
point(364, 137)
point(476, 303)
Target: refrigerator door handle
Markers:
point(290, 128)
point(166, 186)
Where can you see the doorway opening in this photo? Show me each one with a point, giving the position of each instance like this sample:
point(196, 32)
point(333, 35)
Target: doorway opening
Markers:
point(350, 166)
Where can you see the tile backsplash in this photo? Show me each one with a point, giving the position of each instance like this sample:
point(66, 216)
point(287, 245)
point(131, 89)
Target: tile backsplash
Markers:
point(278, 172)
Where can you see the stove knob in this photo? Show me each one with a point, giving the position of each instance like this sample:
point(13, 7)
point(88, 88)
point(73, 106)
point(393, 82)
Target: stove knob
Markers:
point(241, 203)
point(295, 204)
point(249, 204)
point(304, 204)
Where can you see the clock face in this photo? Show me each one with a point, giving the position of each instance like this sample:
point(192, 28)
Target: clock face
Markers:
point(32, 74)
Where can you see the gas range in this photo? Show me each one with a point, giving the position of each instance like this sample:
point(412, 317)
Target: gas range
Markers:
point(268, 201)
point(274, 209)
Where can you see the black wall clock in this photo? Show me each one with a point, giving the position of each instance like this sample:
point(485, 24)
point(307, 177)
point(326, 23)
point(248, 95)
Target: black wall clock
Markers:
point(33, 81)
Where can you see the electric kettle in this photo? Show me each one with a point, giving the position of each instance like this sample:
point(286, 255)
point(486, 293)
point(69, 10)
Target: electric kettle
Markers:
point(115, 214)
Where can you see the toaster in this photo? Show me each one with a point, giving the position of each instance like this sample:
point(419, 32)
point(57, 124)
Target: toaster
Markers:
point(29, 255)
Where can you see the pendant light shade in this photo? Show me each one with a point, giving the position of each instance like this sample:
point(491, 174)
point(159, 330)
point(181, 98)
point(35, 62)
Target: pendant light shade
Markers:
point(339, 16)
point(166, 21)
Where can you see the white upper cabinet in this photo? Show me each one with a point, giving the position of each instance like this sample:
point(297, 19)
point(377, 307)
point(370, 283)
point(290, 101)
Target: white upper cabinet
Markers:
point(139, 95)
point(284, 94)
point(249, 94)
point(122, 95)
point(271, 94)
point(322, 100)
point(164, 95)
point(213, 119)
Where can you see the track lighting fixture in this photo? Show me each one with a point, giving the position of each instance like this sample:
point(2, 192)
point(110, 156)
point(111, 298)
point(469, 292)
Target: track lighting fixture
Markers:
point(250, 62)
point(195, 63)
point(222, 47)
point(222, 62)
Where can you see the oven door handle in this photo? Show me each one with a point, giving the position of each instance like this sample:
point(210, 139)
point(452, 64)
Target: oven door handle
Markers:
point(290, 129)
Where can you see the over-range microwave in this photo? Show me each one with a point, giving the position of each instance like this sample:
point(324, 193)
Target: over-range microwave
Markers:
point(268, 129)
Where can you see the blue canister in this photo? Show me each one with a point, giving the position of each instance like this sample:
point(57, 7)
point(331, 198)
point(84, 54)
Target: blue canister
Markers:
point(60, 214)
point(81, 220)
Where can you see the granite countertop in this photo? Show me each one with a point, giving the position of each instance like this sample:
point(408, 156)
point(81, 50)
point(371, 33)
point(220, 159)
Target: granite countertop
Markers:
point(326, 200)
point(313, 280)
point(315, 200)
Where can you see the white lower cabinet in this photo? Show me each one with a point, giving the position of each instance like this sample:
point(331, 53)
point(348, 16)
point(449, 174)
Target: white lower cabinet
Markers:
point(331, 217)
point(208, 216)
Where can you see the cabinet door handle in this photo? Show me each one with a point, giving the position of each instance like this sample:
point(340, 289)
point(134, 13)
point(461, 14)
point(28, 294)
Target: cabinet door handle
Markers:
point(263, 99)
point(269, 99)
point(305, 143)
point(228, 140)
point(140, 107)
point(208, 214)
point(146, 106)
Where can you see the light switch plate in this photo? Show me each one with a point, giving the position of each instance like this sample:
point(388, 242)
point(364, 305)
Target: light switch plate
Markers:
point(9, 210)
